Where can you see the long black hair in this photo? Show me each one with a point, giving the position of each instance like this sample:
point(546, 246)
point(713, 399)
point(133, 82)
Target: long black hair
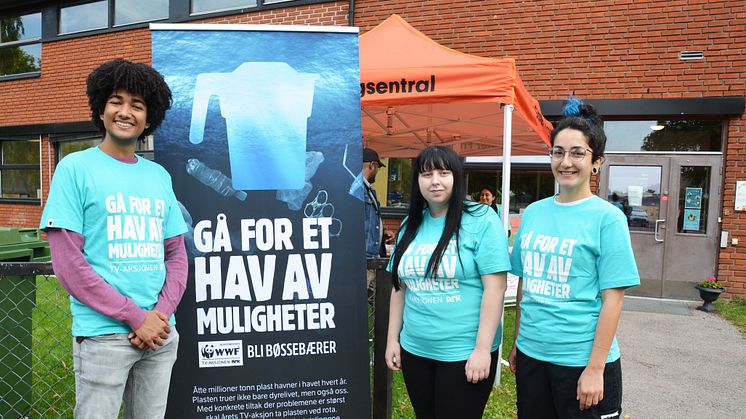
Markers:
point(434, 158)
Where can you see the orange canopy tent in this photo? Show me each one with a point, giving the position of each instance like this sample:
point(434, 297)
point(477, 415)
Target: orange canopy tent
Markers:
point(416, 93)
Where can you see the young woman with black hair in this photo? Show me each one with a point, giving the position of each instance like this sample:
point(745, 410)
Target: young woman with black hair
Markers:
point(487, 197)
point(574, 257)
point(448, 269)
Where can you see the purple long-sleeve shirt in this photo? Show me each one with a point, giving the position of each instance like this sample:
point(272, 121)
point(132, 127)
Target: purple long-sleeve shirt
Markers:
point(79, 279)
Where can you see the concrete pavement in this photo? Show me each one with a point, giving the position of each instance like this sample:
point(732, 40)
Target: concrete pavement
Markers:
point(678, 362)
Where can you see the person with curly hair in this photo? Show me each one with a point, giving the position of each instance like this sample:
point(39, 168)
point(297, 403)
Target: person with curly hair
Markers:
point(116, 237)
point(574, 257)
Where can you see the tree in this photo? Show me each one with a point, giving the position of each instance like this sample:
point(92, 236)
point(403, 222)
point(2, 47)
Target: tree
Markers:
point(14, 60)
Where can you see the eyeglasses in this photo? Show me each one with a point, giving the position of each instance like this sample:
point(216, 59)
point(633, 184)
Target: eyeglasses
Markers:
point(576, 153)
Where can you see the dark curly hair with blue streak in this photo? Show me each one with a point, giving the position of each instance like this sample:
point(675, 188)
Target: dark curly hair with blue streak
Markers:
point(136, 78)
point(583, 117)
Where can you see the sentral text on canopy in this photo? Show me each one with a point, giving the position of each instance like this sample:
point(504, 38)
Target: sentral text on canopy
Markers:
point(398, 86)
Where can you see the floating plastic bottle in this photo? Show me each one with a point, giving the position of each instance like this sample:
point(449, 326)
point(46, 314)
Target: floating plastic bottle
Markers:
point(295, 197)
point(214, 179)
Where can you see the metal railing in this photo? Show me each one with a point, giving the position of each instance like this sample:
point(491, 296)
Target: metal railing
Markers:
point(36, 366)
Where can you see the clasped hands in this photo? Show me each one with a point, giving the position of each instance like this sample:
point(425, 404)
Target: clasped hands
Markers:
point(152, 333)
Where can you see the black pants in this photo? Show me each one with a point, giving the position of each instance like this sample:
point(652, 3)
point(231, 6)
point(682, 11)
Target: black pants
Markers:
point(439, 389)
point(547, 391)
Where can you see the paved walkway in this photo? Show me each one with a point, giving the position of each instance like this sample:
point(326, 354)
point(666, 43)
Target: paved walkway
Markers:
point(678, 362)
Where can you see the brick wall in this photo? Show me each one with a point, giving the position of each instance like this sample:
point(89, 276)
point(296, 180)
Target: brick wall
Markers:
point(620, 49)
point(609, 49)
point(59, 94)
point(604, 49)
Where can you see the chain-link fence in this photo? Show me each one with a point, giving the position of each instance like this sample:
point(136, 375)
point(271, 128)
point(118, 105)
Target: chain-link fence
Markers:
point(36, 366)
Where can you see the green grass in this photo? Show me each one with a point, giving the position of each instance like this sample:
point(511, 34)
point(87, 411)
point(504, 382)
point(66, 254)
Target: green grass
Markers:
point(733, 310)
point(502, 400)
point(53, 385)
point(53, 381)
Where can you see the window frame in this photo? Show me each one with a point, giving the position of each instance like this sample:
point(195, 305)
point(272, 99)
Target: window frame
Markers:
point(25, 42)
point(59, 9)
point(113, 15)
point(143, 149)
point(21, 166)
point(178, 12)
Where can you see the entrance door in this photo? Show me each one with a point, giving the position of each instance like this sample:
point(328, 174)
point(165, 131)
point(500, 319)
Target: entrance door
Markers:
point(671, 204)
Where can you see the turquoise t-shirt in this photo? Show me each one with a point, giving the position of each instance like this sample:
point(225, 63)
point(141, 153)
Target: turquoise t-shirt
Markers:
point(441, 316)
point(124, 212)
point(566, 254)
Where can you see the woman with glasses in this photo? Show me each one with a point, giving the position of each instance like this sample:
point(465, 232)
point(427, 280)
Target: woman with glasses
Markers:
point(448, 270)
point(574, 257)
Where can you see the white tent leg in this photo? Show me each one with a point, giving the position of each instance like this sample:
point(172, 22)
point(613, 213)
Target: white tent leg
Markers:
point(507, 140)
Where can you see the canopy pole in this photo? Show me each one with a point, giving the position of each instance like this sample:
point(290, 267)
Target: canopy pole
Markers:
point(507, 139)
point(507, 144)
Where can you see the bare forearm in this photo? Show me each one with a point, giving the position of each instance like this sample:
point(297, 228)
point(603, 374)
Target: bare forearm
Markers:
point(396, 312)
point(491, 308)
point(608, 319)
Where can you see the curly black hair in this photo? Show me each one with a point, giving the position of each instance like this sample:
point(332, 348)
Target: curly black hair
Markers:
point(136, 78)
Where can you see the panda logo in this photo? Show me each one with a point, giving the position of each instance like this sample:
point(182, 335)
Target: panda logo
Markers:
point(208, 351)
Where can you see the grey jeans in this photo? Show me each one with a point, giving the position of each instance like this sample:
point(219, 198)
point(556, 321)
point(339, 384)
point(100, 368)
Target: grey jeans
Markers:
point(108, 369)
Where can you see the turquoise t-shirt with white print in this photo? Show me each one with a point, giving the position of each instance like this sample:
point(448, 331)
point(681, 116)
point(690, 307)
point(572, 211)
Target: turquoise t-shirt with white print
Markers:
point(124, 213)
point(566, 254)
point(441, 316)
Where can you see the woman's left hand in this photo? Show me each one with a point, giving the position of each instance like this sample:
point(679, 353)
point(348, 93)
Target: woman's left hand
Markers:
point(478, 366)
point(590, 387)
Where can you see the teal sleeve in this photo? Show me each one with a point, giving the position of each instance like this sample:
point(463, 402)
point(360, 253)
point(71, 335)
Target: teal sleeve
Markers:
point(616, 261)
point(64, 206)
point(491, 253)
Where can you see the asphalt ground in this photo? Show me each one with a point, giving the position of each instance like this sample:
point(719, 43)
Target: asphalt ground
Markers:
point(678, 362)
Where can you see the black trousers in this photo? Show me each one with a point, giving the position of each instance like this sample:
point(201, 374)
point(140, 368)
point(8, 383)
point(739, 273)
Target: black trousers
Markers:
point(439, 389)
point(547, 391)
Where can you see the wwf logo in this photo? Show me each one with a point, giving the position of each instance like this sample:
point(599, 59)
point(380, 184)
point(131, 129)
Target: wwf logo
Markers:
point(208, 351)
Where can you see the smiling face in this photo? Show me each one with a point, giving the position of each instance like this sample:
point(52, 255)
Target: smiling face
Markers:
point(436, 186)
point(124, 117)
point(486, 197)
point(573, 175)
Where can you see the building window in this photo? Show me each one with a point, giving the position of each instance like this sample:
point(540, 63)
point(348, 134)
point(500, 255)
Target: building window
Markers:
point(526, 186)
point(20, 176)
point(135, 11)
point(664, 135)
point(399, 183)
point(20, 49)
point(84, 17)
point(70, 143)
point(207, 6)
point(68, 147)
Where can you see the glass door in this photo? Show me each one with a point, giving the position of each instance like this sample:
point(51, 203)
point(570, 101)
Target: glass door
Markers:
point(693, 231)
point(638, 186)
point(672, 207)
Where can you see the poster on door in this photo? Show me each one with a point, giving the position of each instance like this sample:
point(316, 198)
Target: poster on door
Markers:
point(263, 145)
point(693, 198)
point(692, 219)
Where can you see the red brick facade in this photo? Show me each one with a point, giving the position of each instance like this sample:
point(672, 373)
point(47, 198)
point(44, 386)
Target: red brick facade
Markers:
point(620, 49)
